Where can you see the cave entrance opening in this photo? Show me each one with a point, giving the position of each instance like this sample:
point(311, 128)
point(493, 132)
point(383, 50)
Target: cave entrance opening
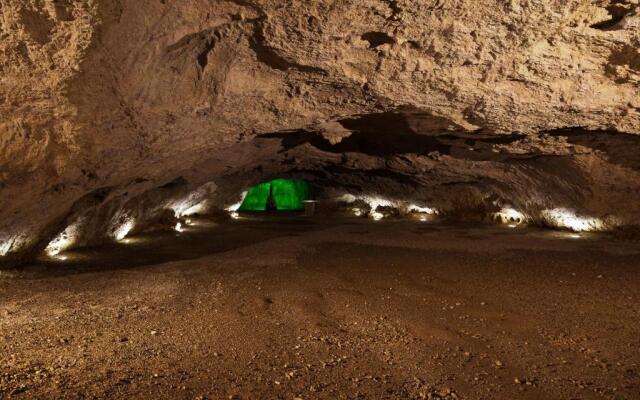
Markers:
point(277, 195)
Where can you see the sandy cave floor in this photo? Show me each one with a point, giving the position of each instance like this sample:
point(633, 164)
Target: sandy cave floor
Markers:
point(328, 309)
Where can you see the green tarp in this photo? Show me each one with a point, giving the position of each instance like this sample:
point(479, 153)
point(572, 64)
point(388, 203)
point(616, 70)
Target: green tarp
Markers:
point(279, 194)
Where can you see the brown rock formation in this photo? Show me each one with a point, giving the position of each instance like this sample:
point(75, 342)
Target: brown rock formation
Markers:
point(113, 107)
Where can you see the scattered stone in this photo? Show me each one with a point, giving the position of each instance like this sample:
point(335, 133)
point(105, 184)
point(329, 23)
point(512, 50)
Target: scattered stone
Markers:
point(18, 390)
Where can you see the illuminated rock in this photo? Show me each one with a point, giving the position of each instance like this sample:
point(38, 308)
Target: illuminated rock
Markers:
point(447, 104)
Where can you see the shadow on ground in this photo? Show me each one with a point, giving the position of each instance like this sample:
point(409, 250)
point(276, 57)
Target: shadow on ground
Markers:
point(196, 241)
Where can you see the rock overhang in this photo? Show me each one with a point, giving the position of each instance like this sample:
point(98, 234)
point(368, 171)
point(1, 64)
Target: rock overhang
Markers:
point(533, 104)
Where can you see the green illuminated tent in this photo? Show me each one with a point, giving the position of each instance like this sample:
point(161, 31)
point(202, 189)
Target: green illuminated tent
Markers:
point(279, 194)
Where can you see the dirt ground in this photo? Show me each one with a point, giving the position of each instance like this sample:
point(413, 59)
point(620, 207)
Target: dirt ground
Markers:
point(312, 309)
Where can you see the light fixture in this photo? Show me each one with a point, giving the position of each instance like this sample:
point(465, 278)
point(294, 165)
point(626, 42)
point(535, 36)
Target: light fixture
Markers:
point(179, 227)
point(135, 240)
point(510, 217)
point(376, 216)
point(422, 213)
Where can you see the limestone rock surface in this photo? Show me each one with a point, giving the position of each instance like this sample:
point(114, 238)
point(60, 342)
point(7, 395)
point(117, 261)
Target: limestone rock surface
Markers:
point(118, 109)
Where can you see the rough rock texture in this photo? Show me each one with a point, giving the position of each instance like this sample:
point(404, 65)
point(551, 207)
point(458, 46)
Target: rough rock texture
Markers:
point(110, 104)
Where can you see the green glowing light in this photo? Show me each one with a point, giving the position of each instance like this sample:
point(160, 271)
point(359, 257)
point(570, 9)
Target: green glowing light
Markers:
point(279, 194)
point(257, 197)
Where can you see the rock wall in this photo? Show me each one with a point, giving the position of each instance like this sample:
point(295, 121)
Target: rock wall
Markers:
point(535, 103)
